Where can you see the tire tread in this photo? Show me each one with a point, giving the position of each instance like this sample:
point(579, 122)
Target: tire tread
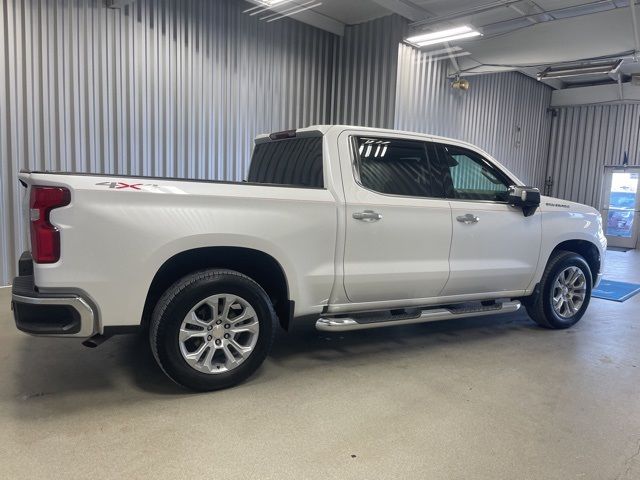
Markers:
point(536, 305)
point(157, 326)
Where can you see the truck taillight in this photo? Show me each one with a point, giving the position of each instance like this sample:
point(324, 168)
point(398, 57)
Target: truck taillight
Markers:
point(45, 237)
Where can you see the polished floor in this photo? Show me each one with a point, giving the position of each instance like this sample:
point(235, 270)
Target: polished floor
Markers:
point(486, 398)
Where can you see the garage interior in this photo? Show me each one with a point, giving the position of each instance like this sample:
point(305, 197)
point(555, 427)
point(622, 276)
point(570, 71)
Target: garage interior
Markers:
point(551, 89)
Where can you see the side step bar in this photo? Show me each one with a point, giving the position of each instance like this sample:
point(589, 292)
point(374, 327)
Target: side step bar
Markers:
point(343, 324)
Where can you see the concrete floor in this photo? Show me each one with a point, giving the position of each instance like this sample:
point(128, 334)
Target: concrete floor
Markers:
point(485, 398)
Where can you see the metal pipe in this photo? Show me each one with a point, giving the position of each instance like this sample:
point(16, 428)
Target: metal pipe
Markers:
point(507, 3)
point(463, 13)
point(549, 14)
point(343, 324)
point(620, 92)
point(454, 62)
point(96, 340)
point(632, 5)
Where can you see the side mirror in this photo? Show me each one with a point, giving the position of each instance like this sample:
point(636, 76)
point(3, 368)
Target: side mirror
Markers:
point(527, 198)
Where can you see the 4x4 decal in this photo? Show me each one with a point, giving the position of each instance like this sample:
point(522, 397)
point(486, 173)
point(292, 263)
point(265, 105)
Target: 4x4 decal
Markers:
point(122, 185)
point(143, 187)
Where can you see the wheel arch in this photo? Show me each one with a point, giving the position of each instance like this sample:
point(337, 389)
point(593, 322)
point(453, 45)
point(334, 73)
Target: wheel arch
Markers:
point(586, 249)
point(256, 264)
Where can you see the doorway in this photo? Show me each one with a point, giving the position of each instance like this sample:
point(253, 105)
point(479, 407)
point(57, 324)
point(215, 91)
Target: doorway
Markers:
point(621, 206)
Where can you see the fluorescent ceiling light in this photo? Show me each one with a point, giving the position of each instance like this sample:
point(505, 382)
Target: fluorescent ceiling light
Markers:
point(601, 68)
point(441, 36)
point(271, 3)
point(263, 6)
point(448, 39)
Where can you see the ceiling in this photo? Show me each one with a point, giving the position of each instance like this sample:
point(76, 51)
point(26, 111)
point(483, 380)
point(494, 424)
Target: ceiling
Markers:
point(351, 12)
point(526, 35)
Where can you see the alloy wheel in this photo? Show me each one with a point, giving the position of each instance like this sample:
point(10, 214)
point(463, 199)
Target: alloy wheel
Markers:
point(569, 292)
point(219, 333)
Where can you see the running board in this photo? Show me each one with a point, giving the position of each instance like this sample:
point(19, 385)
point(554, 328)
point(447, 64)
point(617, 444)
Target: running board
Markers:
point(343, 324)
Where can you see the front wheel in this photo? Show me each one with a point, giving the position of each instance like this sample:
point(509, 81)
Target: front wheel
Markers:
point(212, 329)
point(564, 292)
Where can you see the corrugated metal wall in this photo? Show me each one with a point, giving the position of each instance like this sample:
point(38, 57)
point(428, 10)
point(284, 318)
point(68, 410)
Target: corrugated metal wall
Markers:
point(504, 114)
point(179, 88)
point(169, 88)
point(584, 140)
point(365, 80)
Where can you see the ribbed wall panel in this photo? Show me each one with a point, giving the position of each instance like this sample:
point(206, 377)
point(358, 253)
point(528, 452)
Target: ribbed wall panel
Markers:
point(584, 140)
point(179, 88)
point(504, 114)
point(365, 80)
point(167, 88)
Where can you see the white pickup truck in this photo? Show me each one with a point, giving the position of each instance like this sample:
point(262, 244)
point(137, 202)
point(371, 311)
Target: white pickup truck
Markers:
point(356, 227)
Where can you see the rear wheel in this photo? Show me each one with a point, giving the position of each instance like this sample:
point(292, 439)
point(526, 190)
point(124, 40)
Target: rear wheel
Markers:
point(564, 292)
point(212, 329)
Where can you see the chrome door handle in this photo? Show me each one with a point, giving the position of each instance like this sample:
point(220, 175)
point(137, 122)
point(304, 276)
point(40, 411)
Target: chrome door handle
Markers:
point(468, 219)
point(367, 216)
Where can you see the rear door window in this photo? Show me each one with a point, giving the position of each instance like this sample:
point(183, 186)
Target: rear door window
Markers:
point(398, 167)
point(292, 161)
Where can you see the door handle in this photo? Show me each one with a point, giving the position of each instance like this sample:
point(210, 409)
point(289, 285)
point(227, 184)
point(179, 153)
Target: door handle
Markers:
point(367, 216)
point(468, 219)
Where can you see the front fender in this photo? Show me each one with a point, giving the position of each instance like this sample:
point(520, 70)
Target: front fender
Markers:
point(559, 226)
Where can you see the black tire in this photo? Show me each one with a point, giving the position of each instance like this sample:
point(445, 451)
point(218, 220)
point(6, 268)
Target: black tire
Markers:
point(540, 305)
point(176, 303)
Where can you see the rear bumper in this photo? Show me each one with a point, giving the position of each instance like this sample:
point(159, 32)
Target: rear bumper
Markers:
point(57, 314)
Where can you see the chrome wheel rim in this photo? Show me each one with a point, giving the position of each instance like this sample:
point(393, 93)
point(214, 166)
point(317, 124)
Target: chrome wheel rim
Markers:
point(569, 292)
point(219, 333)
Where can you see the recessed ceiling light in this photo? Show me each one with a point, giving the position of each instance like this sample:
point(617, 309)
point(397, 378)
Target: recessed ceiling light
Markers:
point(442, 36)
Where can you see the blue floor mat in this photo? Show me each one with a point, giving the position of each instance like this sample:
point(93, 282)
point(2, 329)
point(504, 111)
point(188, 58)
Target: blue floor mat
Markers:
point(615, 291)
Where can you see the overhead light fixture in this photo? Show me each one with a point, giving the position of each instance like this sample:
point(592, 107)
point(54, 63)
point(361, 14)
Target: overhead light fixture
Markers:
point(460, 84)
point(600, 68)
point(442, 36)
point(271, 3)
point(263, 6)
